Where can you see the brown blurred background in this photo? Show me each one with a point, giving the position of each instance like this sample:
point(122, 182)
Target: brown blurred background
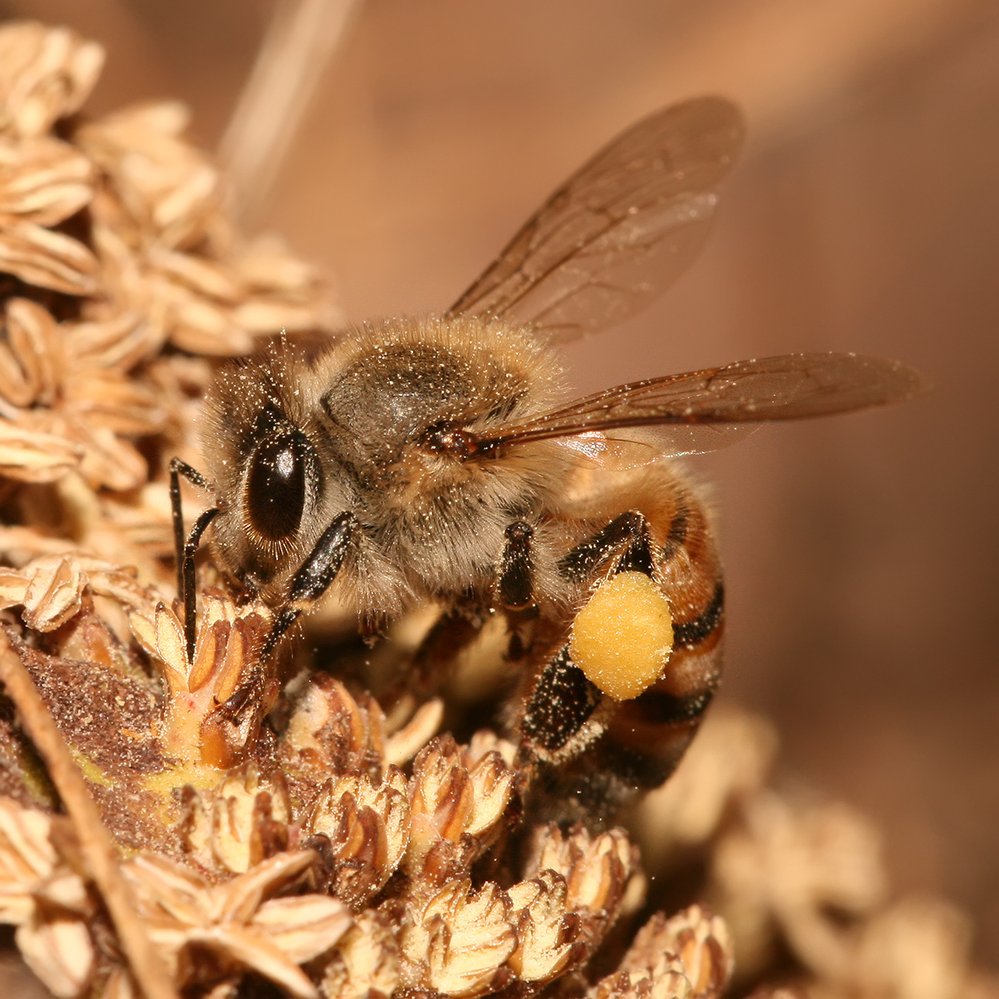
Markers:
point(864, 215)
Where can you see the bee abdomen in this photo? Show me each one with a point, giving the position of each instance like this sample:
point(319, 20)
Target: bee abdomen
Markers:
point(646, 737)
point(693, 632)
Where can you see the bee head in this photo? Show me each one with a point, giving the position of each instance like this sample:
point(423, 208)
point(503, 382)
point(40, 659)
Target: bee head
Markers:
point(263, 454)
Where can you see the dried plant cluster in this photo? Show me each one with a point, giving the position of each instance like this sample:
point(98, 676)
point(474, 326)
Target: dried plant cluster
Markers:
point(310, 843)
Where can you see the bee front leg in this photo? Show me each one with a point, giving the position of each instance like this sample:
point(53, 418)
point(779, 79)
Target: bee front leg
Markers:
point(312, 580)
point(315, 576)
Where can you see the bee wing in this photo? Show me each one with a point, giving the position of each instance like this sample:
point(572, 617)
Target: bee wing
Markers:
point(620, 230)
point(627, 448)
point(704, 410)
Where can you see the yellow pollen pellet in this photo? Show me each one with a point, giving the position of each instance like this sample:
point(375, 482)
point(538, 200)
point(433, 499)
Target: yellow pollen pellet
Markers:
point(623, 636)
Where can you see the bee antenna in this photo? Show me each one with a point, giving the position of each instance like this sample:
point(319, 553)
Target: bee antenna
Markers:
point(186, 548)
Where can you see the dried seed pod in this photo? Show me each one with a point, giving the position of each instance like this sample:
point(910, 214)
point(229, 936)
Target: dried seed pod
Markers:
point(47, 74)
point(29, 360)
point(50, 589)
point(59, 950)
point(456, 810)
point(43, 180)
point(328, 731)
point(457, 941)
point(366, 823)
point(669, 982)
point(596, 868)
point(917, 947)
point(239, 921)
point(197, 728)
point(36, 455)
point(693, 942)
point(45, 901)
point(238, 823)
point(784, 870)
point(278, 290)
point(47, 259)
point(27, 860)
point(168, 188)
point(366, 960)
point(115, 343)
point(407, 740)
point(547, 930)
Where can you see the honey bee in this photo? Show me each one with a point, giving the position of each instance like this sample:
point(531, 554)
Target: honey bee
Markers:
point(437, 459)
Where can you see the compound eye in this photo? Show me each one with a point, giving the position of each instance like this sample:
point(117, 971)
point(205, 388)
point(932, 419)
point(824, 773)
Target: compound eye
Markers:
point(275, 488)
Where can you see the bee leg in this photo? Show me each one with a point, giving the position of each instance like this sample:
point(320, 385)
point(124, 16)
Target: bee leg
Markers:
point(515, 586)
point(186, 549)
point(627, 534)
point(417, 677)
point(315, 576)
point(311, 581)
point(562, 701)
point(566, 713)
point(449, 636)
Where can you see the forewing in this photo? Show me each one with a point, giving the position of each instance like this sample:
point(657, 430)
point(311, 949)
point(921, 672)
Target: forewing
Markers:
point(640, 445)
point(704, 410)
point(620, 230)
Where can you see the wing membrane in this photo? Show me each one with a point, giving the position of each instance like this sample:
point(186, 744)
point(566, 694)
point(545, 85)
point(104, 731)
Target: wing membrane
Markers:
point(708, 409)
point(620, 230)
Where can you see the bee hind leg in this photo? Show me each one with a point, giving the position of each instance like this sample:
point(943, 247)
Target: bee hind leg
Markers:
point(562, 702)
point(565, 709)
point(626, 536)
